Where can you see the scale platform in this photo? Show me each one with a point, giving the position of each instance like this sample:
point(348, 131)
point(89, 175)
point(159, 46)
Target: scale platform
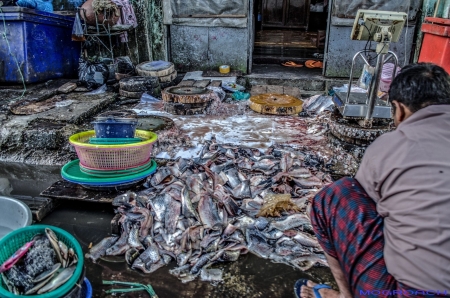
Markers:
point(357, 106)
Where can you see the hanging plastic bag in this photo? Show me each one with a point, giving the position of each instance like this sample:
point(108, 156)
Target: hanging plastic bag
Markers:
point(77, 30)
point(366, 76)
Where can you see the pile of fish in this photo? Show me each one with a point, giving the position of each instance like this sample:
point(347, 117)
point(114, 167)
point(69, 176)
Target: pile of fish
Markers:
point(205, 210)
point(40, 266)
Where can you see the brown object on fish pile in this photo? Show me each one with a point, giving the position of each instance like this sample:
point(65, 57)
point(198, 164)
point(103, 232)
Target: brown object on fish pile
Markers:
point(275, 204)
point(275, 104)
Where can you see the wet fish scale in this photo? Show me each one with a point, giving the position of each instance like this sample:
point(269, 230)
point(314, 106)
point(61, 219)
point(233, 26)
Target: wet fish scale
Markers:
point(159, 206)
point(171, 216)
point(290, 222)
point(208, 212)
point(99, 250)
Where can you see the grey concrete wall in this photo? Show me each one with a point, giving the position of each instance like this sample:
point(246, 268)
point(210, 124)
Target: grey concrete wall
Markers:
point(341, 48)
point(206, 48)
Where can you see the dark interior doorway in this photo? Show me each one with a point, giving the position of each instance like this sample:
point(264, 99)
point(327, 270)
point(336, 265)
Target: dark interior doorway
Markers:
point(289, 30)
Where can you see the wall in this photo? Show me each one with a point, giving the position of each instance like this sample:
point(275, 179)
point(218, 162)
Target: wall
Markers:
point(206, 48)
point(341, 49)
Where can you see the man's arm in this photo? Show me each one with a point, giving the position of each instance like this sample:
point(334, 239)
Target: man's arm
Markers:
point(367, 175)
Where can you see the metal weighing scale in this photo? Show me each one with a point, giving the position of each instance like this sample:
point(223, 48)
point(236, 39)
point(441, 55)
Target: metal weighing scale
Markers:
point(382, 27)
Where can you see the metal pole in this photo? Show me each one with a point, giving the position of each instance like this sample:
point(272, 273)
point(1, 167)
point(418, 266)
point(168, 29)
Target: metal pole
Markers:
point(374, 85)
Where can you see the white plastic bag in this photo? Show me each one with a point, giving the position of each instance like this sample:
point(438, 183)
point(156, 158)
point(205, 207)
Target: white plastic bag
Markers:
point(77, 30)
point(366, 77)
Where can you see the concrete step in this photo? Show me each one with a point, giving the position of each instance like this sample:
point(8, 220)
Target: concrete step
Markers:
point(310, 81)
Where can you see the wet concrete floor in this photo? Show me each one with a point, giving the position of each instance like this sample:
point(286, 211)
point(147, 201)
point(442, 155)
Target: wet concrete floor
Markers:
point(250, 276)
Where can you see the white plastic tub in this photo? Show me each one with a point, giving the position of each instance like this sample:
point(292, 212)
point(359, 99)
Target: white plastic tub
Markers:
point(14, 215)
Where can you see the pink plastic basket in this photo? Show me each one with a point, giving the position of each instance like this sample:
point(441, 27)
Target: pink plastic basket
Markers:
point(113, 157)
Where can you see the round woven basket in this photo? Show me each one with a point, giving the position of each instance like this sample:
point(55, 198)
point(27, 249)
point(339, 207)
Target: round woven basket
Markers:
point(16, 239)
point(113, 157)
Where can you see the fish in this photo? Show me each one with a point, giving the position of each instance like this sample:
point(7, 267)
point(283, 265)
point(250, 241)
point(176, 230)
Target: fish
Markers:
point(310, 182)
point(178, 271)
point(159, 206)
point(257, 244)
point(208, 213)
point(292, 221)
point(232, 177)
point(194, 184)
point(261, 223)
point(122, 242)
point(215, 275)
point(150, 255)
point(222, 167)
point(230, 256)
point(228, 230)
point(207, 210)
point(265, 164)
point(306, 262)
point(127, 199)
point(40, 284)
point(243, 190)
point(99, 250)
point(146, 221)
point(273, 234)
point(155, 266)
point(237, 236)
point(162, 174)
point(131, 255)
point(46, 274)
point(58, 280)
point(182, 258)
point(171, 215)
point(139, 264)
point(133, 238)
point(306, 240)
point(202, 261)
point(186, 205)
point(286, 162)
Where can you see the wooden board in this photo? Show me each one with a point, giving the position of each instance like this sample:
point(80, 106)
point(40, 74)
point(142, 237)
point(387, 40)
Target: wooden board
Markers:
point(39, 206)
point(216, 73)
point(215, 83)
point(202, 83)
point(187, 83)
point(65, 190)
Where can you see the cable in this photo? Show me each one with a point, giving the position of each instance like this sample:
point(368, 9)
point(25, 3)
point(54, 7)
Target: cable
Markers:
point(406, 34)
point(15, 59)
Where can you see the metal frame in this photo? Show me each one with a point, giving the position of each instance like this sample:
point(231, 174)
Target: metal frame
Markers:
point(101, 29)
point(361, 105)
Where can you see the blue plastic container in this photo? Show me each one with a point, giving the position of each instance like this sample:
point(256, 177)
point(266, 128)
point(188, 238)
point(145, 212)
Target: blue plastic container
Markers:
point(86, 289)
point(112, 128)
point(42, 44)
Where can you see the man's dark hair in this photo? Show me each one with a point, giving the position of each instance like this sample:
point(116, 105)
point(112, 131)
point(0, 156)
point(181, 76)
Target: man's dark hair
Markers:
point(420, 85)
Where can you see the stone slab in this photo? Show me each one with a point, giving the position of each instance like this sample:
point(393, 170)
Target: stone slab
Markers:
point(197, 75)
point(39, 206)
point(202, 83)
point(262, 89)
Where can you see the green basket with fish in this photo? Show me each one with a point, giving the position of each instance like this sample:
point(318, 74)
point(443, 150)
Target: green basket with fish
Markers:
point(15, 240)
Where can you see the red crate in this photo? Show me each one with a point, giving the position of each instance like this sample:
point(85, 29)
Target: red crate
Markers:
point(436, 42)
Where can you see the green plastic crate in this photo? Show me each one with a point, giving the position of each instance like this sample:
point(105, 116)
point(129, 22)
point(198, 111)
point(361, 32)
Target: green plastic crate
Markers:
point(16, 239)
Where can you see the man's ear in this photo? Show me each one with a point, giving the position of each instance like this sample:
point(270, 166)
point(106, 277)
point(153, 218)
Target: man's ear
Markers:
point(402, 112)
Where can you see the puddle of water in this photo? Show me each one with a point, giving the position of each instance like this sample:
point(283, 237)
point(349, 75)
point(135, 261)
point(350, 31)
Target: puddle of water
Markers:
point(29, 180)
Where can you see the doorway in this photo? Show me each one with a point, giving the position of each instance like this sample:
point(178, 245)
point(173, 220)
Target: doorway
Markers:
point(289, 30)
